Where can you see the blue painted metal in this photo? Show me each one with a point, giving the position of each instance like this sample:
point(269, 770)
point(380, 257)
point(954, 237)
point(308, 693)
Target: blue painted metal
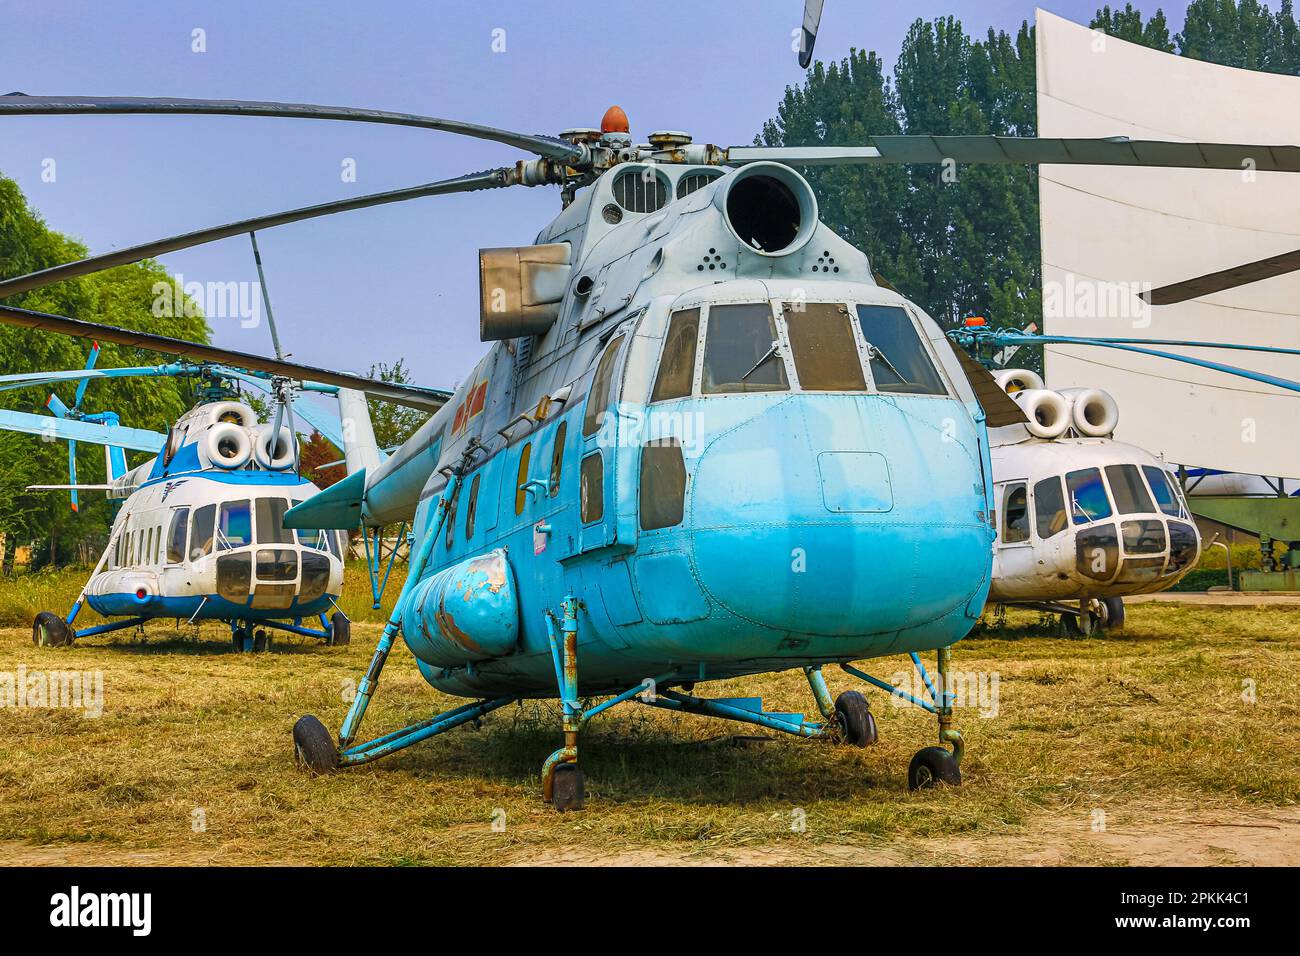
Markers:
point(925, 676)
point(338, 506)
point(298, 628)
point(111, 626)
point(886, 686)
point(467, 612)
point(1000, 337)
point(373, 558)
point(400, 739)
point(728, 710)
point(357, 711)
point(137, 439)
point(821, 693)
point(209, 607)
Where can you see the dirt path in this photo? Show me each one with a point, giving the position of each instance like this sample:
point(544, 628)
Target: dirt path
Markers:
point(1264, 838)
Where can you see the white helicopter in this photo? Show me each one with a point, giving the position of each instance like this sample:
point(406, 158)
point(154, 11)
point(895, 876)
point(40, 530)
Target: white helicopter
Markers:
point(200, 535)
point(1081, 518)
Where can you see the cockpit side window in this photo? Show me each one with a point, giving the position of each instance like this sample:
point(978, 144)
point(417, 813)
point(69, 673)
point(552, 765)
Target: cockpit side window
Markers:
point(1015, 514)
point(270, 521)
point(235, 526)
point(741, 350)
point(1088, 500)
point(176, 536)
point(1161, 488)
point(201, 535)
point(1049, 507)
point(1130, 493)
point(825, 353)
point(677, 365)
point(899, 361)
point(598, 397)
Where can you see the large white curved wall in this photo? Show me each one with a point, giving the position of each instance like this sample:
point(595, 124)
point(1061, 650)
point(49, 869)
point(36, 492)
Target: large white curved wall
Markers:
point(1106, 231)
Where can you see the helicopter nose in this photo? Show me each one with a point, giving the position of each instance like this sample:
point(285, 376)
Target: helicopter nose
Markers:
point(842, 515)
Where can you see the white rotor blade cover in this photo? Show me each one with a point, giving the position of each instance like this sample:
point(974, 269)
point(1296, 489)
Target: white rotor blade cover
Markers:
point(1108, 230)
point(360, 449)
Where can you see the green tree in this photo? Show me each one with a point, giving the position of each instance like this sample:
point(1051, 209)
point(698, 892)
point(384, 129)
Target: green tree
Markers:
point(1127, 25)
point(1241, 33)
point(393, 424)
point(122, 297)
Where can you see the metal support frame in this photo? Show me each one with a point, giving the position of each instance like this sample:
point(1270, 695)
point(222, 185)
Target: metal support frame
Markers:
point(564, 657)
point(374, 557)
point(297, 628)
point(110, 626)
point(352, 722)
point(941, 697)
point(399, 739)
point(685, 703)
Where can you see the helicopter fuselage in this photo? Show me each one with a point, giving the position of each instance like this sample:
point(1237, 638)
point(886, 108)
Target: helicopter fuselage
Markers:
point(740, 456)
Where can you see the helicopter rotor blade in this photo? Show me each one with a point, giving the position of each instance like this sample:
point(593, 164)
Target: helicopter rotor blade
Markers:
point(548, 147)
point(1225, 279)
point(413, 396)
point(489, 179)
point(812, 16)
point(1012, 150)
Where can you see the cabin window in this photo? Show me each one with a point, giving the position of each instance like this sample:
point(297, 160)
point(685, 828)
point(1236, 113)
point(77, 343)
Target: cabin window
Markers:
point(557, 457)
point(151, 549)
point(234, 525)
point(677, 364)
point(1128, 490)
point(1049, 507)
point(1015, 514)
point(277, 564)
point(270, 521)
point(825, 352)
point(138, 553)
point(663, 484)
point(598, 398)
point(741, 350)
point(1088, 501)
point(176, 536)
point(472, 507)
point(201, 532)
point(315, 576)
point(899, 361)
point(521, 476)
point(234, 576)
point(1163, 491)
point(591, 491)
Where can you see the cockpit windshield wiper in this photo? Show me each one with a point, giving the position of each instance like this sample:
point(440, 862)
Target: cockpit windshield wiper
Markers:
point(1080, 508)
point(776, 347)
point(875, 352)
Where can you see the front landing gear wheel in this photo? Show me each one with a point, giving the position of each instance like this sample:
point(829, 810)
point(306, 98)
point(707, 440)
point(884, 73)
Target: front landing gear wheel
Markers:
point(1113, 608)
point(340, 630)
point(931, 766)
point(313, 746)
point(568, 787)
point(50, 630)
point(261, 641)
point(853, 715)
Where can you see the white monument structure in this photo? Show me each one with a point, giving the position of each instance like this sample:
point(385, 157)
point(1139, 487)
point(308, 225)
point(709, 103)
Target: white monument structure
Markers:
point(1110, 232)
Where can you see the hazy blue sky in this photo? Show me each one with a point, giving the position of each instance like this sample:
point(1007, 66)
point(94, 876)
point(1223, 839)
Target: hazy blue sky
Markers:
point(397, 281)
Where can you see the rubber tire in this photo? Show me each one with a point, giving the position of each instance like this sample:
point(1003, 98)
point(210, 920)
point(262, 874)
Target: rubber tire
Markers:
point(1070, 626)
point(1114, 613)
point(568, 788)
point(237, 639)
point(932, 766)
point(853, 714)
point(313, 746)
point(340, 630)
point(261, 641)
point(50, 630)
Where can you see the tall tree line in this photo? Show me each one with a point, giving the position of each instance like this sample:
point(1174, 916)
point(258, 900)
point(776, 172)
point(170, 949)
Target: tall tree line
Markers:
point(122, 297)
point(966, 241)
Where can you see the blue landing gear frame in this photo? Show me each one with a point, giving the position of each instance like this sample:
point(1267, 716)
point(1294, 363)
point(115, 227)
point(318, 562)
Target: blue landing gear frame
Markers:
point(374, 558)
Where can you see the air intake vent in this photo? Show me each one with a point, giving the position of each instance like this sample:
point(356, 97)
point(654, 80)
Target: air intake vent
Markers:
point(641, 190)
point(693, 181)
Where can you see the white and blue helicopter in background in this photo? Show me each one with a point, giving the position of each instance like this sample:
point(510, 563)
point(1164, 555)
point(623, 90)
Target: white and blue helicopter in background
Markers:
point(199, 535)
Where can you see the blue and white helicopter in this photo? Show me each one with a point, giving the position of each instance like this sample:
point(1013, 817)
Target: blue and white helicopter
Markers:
point(200, 535)
point(704, 443)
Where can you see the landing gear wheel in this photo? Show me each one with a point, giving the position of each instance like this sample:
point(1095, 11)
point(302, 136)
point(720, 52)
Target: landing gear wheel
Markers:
point(261, 641)
point(340, 630)
point(931, 766)
point(568, 788)
point(853, 715)
point(313, 746)
point(1114, 613)
point(239, 638)
point(50, 630)
point(1070, 626)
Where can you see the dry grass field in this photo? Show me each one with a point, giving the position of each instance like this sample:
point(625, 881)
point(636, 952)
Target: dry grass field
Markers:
point(1170, 742)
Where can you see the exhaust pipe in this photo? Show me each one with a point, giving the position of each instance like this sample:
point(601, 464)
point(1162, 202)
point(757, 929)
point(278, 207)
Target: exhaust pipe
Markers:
point(769, 208)
point(1048, 412)
point(1093, 412)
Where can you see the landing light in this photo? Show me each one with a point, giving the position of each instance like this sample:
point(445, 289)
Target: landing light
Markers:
point(974, 320)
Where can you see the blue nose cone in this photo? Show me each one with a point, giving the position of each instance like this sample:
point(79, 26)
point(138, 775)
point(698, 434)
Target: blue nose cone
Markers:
point(841, 516)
